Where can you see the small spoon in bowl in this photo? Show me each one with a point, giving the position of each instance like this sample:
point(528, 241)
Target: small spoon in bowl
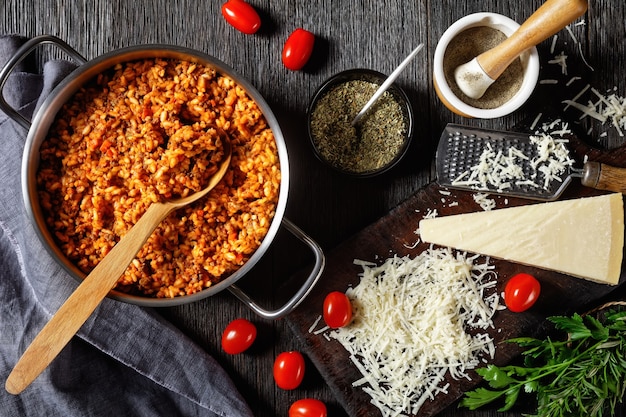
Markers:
point(385, 85)
point(92, 290)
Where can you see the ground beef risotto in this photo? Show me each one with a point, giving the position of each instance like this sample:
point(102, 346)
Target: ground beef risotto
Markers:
point(143, 132)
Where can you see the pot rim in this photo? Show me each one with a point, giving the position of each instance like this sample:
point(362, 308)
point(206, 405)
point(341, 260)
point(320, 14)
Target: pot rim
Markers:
point(44, 117)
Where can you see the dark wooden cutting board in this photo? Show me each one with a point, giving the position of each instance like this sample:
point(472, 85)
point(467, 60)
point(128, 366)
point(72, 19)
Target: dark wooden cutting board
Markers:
point(395, 234)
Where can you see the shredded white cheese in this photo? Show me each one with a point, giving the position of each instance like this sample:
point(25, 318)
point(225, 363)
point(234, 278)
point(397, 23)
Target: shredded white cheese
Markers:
point(534, 123)
point(571, 80)
point(410, 325)
point(580, 47)
point(561, 60)
point(576, 97)
point(498, 171)
point(582, 56)
point(484, 202)
point(553, 45)
point(431, 213)
point(553, 158)
point(560, 131)
point(494, 169)
point(314, 325)
point(411, 246)
point(549, 127)
point(571, 34)
point(607, 108)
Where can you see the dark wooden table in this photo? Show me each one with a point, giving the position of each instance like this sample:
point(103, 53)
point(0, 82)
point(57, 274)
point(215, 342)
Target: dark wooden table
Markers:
point(329, 207)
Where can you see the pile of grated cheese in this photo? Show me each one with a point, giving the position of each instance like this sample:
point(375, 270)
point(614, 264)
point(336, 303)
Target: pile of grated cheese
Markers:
point(498, 171)
point(410, 326)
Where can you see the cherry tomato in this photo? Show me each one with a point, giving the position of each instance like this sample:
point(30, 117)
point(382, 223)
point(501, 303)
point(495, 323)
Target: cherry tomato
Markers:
point(241, 16)
point(238, 336)
point(308, 407)
point(337, 309)
point(298, 49)
point(289, 370)
point(521, 292)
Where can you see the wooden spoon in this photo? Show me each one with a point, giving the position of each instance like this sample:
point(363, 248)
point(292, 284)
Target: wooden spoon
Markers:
point(84, 300)
point(474, 77)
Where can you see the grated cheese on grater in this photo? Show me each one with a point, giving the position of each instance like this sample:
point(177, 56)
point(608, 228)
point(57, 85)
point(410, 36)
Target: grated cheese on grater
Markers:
point(497, 171)
point(410, 322)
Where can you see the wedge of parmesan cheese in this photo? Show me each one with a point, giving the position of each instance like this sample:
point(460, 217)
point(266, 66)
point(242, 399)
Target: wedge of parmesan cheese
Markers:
point(582, 237)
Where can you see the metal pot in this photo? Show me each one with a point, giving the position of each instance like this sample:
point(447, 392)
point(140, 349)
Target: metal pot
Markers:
point(41, 122)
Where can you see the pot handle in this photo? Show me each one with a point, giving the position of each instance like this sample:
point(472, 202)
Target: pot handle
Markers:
point(305, 289)
point(19, 56)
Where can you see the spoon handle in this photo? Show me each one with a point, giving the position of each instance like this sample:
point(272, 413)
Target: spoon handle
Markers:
point(385, 85)
point(547, 20)
point(83, 301)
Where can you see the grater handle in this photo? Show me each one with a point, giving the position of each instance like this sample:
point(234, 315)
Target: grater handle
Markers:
point(604, 177)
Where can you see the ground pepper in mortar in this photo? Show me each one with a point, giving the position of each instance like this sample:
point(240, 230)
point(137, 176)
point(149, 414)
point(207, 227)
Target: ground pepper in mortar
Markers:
point(372, 144)
point(466, 46)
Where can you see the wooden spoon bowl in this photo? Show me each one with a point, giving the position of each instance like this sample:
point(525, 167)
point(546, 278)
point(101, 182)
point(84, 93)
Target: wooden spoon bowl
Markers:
point(84, 300)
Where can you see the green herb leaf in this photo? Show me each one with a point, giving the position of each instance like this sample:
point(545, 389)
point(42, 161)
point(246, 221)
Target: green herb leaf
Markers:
point(531, 386)
point(573, 325)
point(496, 377)
point(583, 374)
point(479, 397)
point(609, 344)
point(598, 331)
point(511, 397)
point(526, 341)
point(617, 318)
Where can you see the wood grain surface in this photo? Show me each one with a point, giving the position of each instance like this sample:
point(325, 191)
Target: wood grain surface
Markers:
point(330, 207)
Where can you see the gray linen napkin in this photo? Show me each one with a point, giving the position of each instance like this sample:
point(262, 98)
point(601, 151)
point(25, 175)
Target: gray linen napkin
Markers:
point(126, 360)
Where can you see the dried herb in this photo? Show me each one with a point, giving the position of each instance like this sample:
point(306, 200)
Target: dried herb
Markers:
point(582, 375)
point(371, 145)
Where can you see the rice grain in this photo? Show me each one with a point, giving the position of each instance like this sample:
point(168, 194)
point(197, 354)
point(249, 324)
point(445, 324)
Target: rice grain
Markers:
point(144, 132)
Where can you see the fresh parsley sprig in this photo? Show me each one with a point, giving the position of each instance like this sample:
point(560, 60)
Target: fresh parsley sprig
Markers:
point(584, 374)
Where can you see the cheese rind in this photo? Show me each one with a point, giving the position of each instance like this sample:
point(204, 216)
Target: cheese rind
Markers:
point(582, 237)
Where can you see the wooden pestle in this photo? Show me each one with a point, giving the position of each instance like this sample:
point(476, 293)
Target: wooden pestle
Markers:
point(474, 77)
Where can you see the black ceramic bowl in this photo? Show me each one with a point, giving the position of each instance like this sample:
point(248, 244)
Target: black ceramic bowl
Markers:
point(383, 121)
